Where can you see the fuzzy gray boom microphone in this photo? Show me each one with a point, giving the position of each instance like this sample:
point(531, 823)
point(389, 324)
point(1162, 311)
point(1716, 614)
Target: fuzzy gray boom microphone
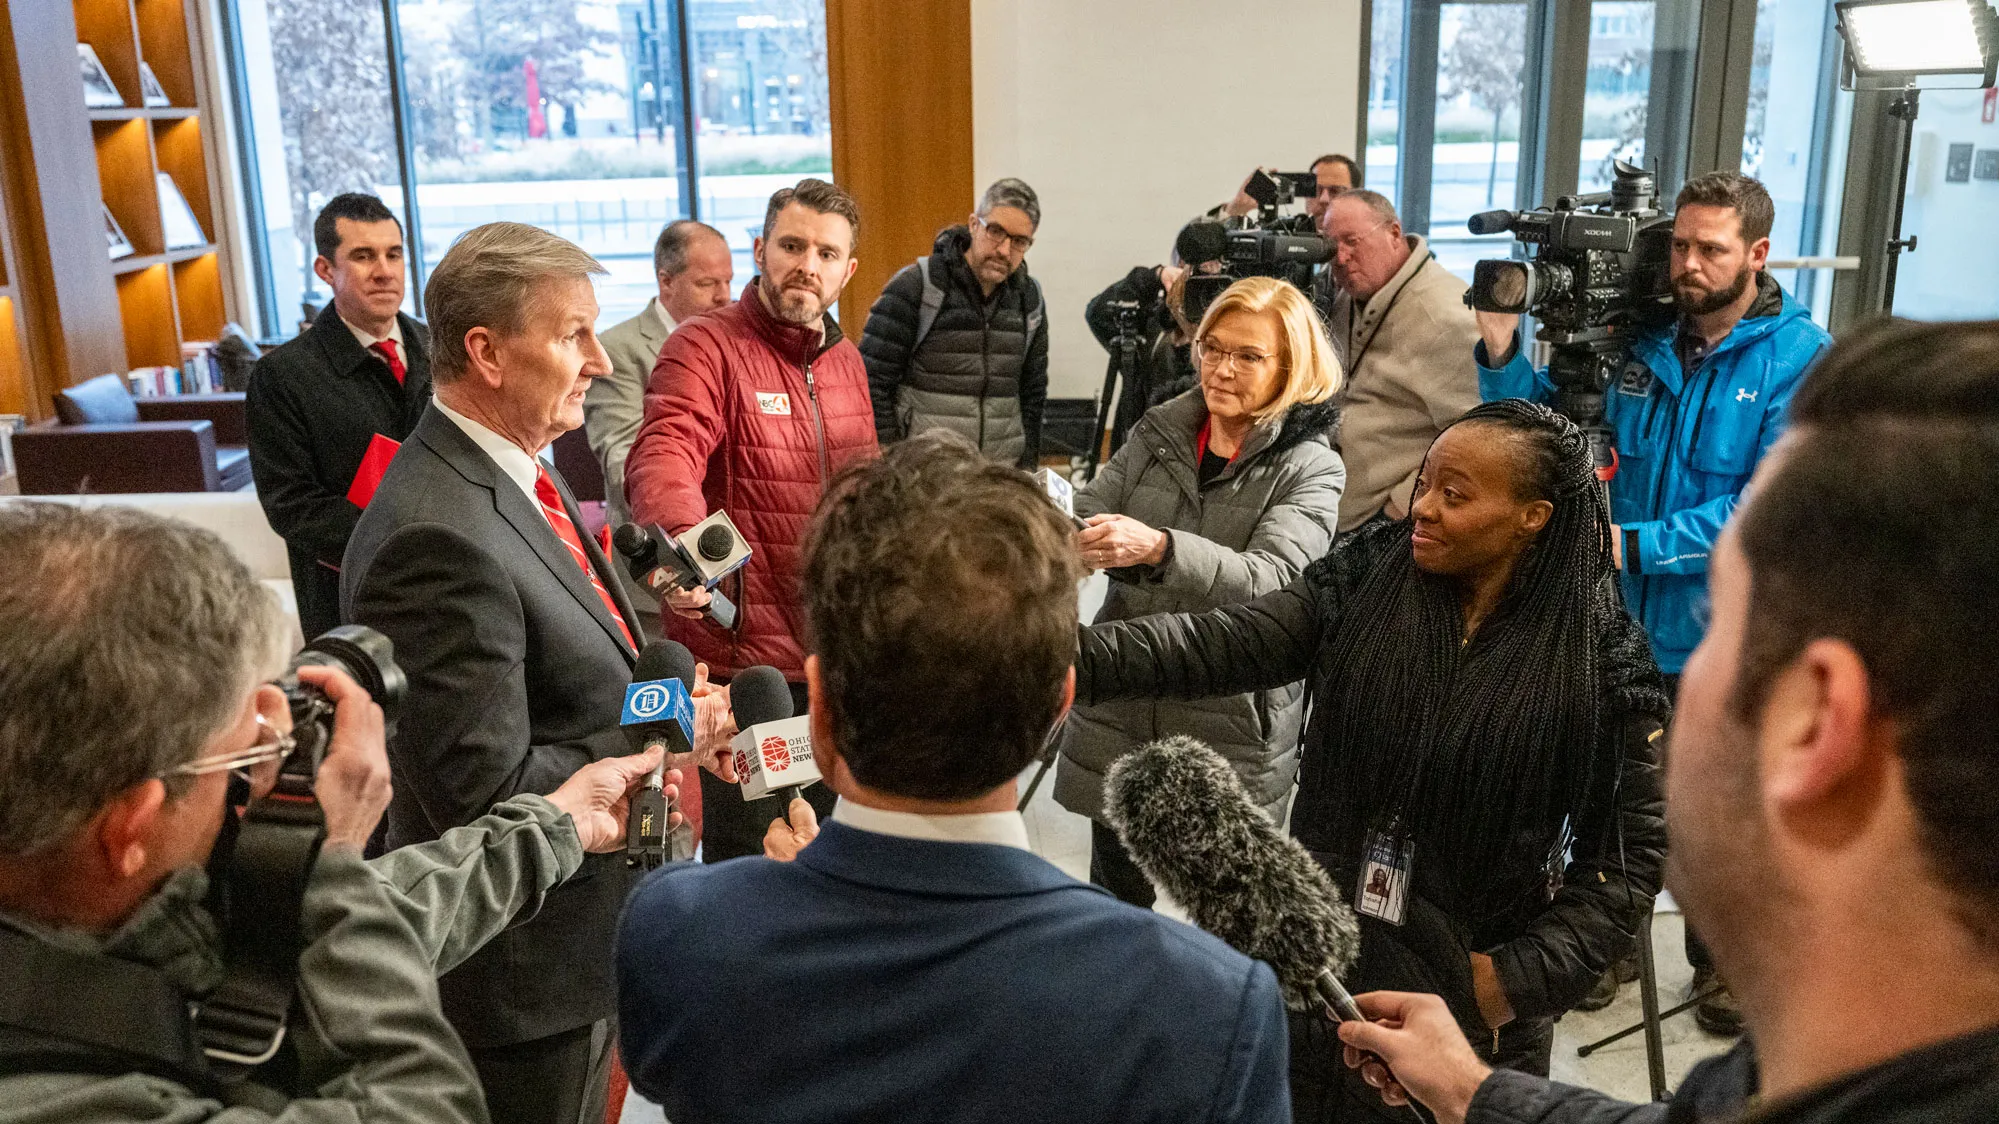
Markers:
point(1189, 824)
point(1193, 829)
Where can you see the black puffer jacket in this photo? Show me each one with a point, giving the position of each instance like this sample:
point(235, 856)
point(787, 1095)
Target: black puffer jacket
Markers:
point(1547, 950)
point(982, 370)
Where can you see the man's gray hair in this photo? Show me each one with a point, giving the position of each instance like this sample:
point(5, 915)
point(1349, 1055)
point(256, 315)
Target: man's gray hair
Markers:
point(127, 642)
point(489, 279)
point(1014, 193)
point(669, 254)
point(1374, 201)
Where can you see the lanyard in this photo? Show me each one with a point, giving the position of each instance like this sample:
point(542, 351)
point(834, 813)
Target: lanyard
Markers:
point(1353, 362)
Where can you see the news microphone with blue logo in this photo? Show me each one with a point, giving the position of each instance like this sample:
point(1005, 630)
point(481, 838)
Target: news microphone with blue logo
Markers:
point(659, 711)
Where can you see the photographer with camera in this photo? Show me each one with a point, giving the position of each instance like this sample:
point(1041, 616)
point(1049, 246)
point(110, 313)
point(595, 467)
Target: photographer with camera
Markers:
point(136, 716)
point(1693, 410)
point(1400, 326)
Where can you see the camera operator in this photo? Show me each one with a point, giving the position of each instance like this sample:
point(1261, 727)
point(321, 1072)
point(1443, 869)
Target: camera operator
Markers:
point(134, 712)
point(1150, 298)
point(1400, 326)
point(1335, 174)
point(1696, 407)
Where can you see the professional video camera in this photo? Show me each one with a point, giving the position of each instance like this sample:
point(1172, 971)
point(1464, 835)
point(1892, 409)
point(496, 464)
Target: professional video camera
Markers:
point(1601, 272)
point(1273, 191)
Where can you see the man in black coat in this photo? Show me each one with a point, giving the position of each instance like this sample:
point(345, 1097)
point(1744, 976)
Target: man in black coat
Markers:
point(318, 402)
point(1834, 774)
point(517, 642)
point(959, 339)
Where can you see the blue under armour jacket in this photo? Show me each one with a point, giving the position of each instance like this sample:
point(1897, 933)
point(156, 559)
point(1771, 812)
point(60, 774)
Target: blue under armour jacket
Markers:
point(1687, 442)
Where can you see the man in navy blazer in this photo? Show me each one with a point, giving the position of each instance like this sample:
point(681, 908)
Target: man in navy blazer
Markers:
point(915, 962)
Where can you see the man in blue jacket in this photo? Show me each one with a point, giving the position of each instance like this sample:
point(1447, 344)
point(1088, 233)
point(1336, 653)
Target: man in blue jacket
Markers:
point(1694, 410)
point(914, 961)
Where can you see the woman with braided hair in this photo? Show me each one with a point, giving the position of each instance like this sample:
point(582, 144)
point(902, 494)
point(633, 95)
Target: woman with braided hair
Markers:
point(1480, 767)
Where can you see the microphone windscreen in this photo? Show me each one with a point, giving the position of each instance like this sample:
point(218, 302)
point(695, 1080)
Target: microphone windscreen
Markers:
point(630, 539)
point(1201, 241)
point(758, 695)
point(665, 659)
point(1189, 824)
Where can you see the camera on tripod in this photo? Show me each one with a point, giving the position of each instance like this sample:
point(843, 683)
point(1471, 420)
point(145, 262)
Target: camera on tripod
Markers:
point(1601, 271)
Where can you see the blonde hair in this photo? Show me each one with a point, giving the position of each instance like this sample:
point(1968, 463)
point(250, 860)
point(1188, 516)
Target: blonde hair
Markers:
point(490, 278)
point(1311, 372)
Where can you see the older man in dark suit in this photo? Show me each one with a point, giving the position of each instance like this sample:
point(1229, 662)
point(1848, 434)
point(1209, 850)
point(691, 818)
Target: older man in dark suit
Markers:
point(317, 403)
point(517, 642)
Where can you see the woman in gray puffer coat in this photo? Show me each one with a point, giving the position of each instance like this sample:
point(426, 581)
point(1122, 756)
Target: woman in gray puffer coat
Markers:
point(1220, 495)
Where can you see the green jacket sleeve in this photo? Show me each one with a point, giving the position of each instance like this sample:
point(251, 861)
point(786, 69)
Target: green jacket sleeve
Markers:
point(460, 890)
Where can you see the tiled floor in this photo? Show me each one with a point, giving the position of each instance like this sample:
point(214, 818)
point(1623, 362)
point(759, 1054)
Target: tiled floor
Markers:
point(1064, 839)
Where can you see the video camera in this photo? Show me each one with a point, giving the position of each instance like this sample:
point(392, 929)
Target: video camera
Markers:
point(1601, 271)
point(1268, 244)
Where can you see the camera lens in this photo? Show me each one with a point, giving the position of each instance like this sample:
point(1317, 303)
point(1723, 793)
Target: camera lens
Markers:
point(716, 543)
point(366, 656)
point(1509, 286)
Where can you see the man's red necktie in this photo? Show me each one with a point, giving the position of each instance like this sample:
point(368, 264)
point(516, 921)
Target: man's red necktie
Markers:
point(387, 350)
point(558, 518)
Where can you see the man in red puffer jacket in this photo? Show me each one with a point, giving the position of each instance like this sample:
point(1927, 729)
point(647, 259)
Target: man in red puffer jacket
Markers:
point(749, 410)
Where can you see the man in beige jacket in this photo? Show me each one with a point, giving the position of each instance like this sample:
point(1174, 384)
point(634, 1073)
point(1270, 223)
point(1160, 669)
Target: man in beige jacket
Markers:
point(1401, 327)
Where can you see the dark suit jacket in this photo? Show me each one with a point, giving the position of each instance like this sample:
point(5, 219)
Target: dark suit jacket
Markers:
point(517, 677)
point(313, 406)
point(886, 979)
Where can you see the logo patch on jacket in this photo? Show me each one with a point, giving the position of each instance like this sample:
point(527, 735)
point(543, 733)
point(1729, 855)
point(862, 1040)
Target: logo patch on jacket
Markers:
point(778, 405)
point(1636, 380)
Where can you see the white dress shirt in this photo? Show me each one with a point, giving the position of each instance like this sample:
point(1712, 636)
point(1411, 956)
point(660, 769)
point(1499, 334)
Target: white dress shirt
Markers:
point(512, 459)
point(368, 342)
point(1006, 829)
point(665, 317)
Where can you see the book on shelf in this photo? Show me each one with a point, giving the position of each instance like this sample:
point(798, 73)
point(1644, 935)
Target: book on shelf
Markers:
point(99, 92)
point(176, 217)
point(198, 373)
point(149, 88)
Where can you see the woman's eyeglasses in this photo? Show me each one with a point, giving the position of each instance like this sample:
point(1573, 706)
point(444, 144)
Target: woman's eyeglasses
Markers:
point(1240, 361)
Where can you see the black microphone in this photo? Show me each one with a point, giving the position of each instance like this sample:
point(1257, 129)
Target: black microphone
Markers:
point(1201, 241)
point(773, 748)
point(658, 562)
point(659, 711)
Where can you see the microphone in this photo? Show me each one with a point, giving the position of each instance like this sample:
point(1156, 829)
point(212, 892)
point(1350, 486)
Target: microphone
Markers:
point(1189, 824)
point(1061, 493)
point(659, 561)
point(1191, 827)
point(659, 711)
point(773, 749)
point(1200, 242)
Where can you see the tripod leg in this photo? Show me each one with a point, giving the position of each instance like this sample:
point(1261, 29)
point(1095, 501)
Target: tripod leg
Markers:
point(1648, 996)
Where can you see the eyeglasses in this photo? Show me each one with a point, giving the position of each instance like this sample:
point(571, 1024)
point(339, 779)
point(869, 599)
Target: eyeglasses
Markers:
point(1242, 361)
point(269, 746)
point(1353, 241)
point(1001, 237)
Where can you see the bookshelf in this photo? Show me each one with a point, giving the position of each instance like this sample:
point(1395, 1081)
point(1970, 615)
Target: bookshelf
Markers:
point(79, 312)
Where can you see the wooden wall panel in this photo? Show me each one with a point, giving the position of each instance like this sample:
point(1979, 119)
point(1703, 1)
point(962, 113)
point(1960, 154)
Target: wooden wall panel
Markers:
point(901, 76)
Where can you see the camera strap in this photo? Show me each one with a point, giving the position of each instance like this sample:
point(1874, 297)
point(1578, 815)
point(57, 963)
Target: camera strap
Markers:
point(65, 1011)
point(241, 1024)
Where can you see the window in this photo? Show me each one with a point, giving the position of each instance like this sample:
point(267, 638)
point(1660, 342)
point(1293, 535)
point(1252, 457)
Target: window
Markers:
point(1949, 208)
point(1640, 58)
point(571, 115)
point(313, 89)
point(1794, 137)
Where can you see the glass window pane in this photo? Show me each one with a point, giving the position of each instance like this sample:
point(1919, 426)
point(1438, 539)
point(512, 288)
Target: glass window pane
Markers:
point(1482, 53)
point(1794, 134)
point(1639, 50)
point(1952, 209)
point(1384, 93)
point(318, 121)
point(558, 113)
point(765, 109)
